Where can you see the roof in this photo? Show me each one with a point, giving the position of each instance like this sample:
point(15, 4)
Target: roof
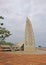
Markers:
point(20, 43)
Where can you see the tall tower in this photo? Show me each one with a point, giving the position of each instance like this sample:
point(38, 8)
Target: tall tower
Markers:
point(29, 37)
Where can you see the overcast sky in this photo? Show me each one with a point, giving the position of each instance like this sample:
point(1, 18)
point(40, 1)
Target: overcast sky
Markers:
point(15, 13)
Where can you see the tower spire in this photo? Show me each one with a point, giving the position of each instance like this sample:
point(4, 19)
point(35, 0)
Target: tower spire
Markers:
point(29, 36)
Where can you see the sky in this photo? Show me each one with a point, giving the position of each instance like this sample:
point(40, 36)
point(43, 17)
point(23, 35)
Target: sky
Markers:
point(15, 13)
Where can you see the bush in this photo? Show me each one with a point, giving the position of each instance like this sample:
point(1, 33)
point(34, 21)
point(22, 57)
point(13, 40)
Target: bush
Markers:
point(5, 43)
point(39, 46)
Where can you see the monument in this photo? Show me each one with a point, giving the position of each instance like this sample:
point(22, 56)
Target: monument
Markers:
point(29, 43)
point(29, 37)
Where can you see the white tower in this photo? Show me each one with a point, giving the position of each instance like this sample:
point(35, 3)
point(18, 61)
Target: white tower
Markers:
point(29, 37)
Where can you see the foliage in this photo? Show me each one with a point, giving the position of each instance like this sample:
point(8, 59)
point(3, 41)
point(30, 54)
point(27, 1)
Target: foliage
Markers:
point(39, 46)
point(3, 32)
point(5, 43)
point(1, 23)
point(1, 17)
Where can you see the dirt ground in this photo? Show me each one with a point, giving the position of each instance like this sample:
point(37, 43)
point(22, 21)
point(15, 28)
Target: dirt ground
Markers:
point(22, 59)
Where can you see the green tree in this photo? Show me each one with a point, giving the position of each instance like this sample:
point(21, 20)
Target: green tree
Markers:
point(39, 46)
point(3, 31)
point(1, 17)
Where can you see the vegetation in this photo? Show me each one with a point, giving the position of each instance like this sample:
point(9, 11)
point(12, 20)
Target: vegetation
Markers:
point(3, 31)
point(5, 43)
point(39, 46)
point(1, 17)
point(3, 34)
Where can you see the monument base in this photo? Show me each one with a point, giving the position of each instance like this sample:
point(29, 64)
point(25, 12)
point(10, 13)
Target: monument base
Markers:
point(29, 49)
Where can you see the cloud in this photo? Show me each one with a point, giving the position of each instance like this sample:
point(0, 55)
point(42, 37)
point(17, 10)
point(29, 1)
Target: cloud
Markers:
point(15, 13)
